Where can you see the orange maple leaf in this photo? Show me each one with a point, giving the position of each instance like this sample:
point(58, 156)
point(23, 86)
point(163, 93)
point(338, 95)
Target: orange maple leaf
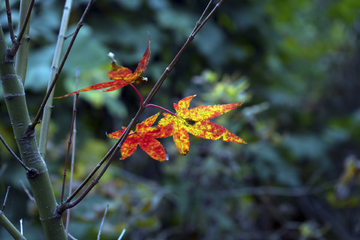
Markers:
point(196, 121)
point(120, 76)
point(144, 136)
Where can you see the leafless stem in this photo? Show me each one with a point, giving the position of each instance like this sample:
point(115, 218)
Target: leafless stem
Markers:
point(14, 155)
point(102, 222)
point(46, 114)
point(202, 16)
point(118, 144)
point(167, 71)
point(77, 75)
point(11, 27)
point(86, 180)
point(27, 191)
point(28, 14)
point(71, 236)
point(109, 156)
point(68, 148)
point(70, 35)
point(6, 196)
point(21, 227)
point(78, 27)
point(16, 44)
point(122, 234)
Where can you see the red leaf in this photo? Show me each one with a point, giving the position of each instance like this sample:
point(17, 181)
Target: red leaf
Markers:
point(144, 136)
point(120, 75)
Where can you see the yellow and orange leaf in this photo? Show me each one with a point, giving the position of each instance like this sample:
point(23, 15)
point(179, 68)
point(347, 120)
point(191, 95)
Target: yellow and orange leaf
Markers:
point(196, 121)
point(144, 136)
point(120, 76)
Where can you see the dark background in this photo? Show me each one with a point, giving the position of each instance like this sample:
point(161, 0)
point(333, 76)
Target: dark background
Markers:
point(295, 64)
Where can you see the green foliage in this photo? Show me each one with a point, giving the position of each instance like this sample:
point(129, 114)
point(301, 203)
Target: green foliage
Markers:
point(292, 62)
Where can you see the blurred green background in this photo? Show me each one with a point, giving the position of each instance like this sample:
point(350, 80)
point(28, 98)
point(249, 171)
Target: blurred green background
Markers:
point(296, 64)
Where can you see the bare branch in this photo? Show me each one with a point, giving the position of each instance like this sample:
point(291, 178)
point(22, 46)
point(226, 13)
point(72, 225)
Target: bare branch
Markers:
point(77, 75)
point(207, 18)
point(10, 228)
point(71, 236)
point(102, 222)
point(5, 198)
point(122, 234)
point(167, 71)
point(69, 146)
point(6, 222)
point(28, 14)
point(27, 191)
point(16, 44)
point(109, 156)
point(14, 155)
point(202, 16)
point(21, 227)
point(11, 27)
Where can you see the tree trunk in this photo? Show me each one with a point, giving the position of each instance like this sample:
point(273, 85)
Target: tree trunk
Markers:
point(15, 101)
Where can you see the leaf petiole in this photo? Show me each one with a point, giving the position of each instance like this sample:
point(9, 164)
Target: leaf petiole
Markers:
point(153, 105)
point(138, 93)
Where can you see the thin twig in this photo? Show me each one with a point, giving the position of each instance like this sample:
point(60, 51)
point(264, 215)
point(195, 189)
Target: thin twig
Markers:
point(202, 16)
point(11, 27)
point(21, 227)
point(79, 25)
point(22, 54)
point(9, 227)
point(77, 75)
point(102, 222)
point(70, 35)
point(71, 236)
point(68, 148)
point(109, 156)
point(167, 71)
point(122, 138)
point(45, 122)
point(14, 155)
point(122, 234)
point(86, 180)
point(28, 14)
point(5, 199)
point(16, 44)
point(27, 191)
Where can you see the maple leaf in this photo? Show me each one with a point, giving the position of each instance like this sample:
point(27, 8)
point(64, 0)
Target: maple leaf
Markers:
point(120, 76)
point(144, 136)
point(196, 121)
